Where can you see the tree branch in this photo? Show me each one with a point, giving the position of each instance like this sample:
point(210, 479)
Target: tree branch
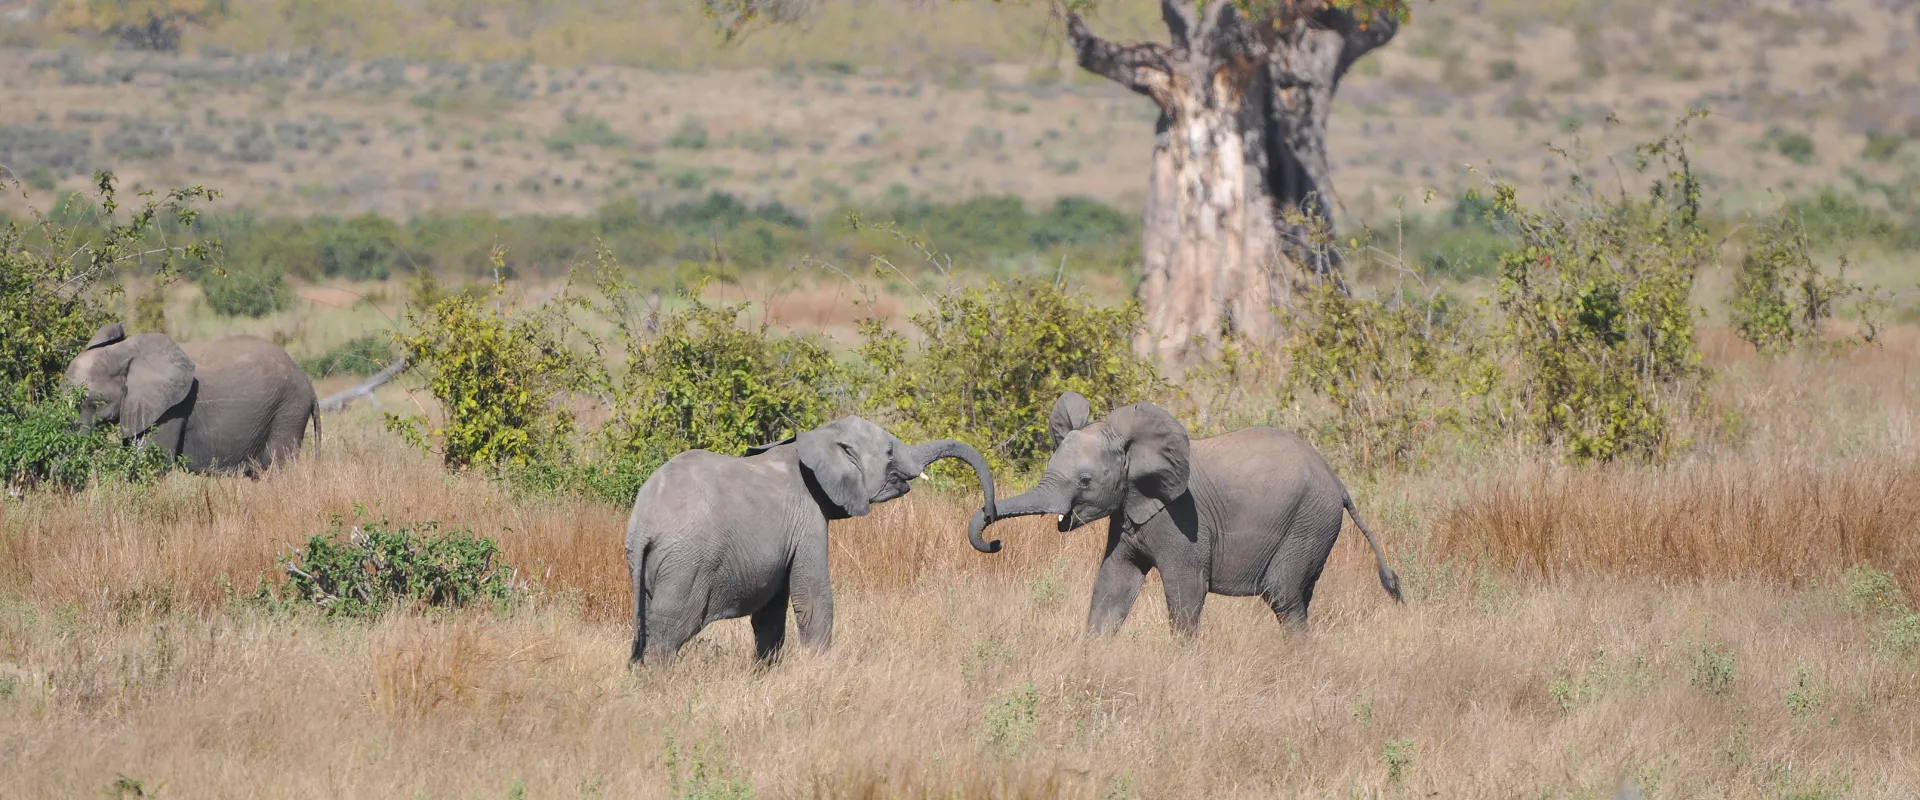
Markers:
point(339, 401)
point(1140, 66)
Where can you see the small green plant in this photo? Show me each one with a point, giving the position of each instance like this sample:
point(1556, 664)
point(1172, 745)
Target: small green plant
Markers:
point(253, 293)
point(691, 135)
point(705, 779)
point(1713, 669)
point(1013, 722)
point(8, 685)
point(1120, 787)
point(1873, 590)
point(1398, 755)
point(1049, 586)
point(376, 565)
point(1570, 690)
point(1901, 635)
point(583, 130)
point(1802, 698)
point(1796, 146)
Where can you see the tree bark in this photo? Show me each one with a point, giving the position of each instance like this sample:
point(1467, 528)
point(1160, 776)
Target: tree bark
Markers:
point(1240, 163)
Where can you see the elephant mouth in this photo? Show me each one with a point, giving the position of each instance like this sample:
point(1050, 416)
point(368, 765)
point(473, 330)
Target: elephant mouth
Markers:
point(1071, 520)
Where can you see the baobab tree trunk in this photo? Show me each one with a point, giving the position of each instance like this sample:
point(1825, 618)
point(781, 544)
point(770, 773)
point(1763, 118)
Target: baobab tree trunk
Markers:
point(1239, 161)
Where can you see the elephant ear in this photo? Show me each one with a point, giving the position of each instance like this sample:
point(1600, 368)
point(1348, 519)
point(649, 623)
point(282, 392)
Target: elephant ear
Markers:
point(108, 334)
point(159, 375)
point(1070, 413)
point(836, 457)
point(1158, 457)
point(761, 448)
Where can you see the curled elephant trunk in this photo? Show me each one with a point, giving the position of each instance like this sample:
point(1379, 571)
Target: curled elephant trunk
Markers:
point(1038, 501)
point(921, 456)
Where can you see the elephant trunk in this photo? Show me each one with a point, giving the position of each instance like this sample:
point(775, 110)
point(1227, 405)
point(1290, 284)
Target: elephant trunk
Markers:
point(921, 456)
point(1039, 501)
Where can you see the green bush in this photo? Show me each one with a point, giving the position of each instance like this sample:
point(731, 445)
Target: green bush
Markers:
point(499, 377)
point(1597, 312)
point(366, 247)
point(252, 293)
point(703, 382)
point(1392, 371)
point(1781, 295)
point(994, 359)
point(362, 355)
point(41, 446)
point(378, 566)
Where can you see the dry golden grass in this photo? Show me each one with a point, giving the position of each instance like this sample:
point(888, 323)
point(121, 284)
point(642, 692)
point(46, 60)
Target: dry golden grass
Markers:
point(1686, 629)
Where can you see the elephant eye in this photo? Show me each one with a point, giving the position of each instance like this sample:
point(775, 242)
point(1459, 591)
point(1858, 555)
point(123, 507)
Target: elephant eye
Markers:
point(1086, 481)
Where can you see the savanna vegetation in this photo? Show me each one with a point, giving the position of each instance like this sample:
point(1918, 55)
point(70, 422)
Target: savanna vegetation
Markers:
point(1633, 421)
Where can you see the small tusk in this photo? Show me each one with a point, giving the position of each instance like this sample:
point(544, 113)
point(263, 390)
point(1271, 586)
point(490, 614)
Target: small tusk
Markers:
point(1063, 517)
point(920, 477)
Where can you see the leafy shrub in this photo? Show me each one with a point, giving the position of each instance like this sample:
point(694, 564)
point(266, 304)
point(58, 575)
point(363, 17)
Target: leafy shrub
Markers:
point(583, 130)
point(41, 445)
point(1597, 314)
point(55, 273)
point(497, 375)
point(378, 566)
point(701, 381)
point(1781, 296)
point(366, 247)
point(1714, 668)
point(253, 293)
point(994, 360)
point(1796, 146)
point(363, 355)
point(1392, 371)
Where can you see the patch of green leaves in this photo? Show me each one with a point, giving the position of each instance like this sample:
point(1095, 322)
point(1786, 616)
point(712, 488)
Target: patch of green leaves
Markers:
point(1781, 295)
point(994, 359)
point(42, 446)
point(377, 565)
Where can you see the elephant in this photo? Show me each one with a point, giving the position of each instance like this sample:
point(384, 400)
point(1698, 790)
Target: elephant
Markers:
point(716, 537)
point(233, 405)
point(1255, 511)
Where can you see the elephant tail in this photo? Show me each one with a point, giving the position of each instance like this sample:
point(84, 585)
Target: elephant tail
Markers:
point(637, 566)
point(1389, 580)
point(314, 414)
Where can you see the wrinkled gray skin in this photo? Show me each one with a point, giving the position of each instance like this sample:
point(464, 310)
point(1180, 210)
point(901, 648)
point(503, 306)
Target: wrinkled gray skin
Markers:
point(1253, 512)
point(234, 405)
point(716, 537)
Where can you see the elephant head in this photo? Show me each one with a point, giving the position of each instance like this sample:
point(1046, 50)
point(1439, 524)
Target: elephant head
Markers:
point(130, 381)
point(857, 463)
point(1134, 462)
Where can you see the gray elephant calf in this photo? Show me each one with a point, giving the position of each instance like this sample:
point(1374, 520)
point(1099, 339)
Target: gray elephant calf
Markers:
point(1252, 512)
point(238, 404)
point(716, 537)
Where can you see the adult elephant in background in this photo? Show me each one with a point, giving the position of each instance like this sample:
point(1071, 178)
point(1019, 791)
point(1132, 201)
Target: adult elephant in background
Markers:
point(716, 537)
point(233, 405)
point(1251, 512)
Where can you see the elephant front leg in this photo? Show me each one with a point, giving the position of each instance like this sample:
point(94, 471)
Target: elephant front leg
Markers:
point(1114, 592)
point(1186, 595)
point(812, 594)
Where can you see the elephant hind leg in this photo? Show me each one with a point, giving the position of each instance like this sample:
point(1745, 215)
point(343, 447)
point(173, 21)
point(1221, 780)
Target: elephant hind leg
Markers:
point(1288, 590)
point(1186, 590)
point(770, 627)
point(676, 610)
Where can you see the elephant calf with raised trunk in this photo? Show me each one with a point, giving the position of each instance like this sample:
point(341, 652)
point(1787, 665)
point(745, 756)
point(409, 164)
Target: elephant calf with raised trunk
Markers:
point(237, 404)
point(716, 537)
point(1253, 512)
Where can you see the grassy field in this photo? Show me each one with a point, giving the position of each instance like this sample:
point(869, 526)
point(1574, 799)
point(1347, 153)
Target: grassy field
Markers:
point(1699, 629)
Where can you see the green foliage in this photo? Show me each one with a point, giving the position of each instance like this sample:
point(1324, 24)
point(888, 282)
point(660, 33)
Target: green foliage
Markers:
point(377, 566)
point(498, 376)
point(1398, 755)
point(362, 355)
point(1802, 698)
point(366, 247)
point(253, 293)
point(701, 381)
point(1013, 722)
point(1878, 592)
point(583, 130)
point(1596, 310)
point(1781, 296)
point(56, 273)
point(41, 445)
point(705, 778)
point(1392, 371)
point(993, 360)
point(691, 135)
point(1713, 668)
point(1797, 147)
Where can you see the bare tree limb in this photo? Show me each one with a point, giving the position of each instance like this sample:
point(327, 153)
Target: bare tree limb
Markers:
point(1140, 66)
point(339, 401)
